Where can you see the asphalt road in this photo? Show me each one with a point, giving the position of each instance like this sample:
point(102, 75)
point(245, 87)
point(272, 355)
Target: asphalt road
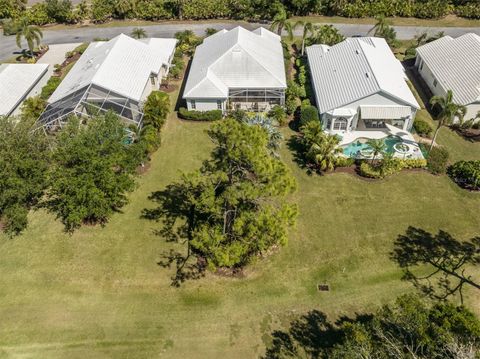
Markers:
point(8, 46)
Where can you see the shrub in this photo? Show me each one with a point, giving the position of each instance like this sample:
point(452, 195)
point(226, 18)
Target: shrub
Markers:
point(389, 166)
point(38, 15)
point(437, 160)
point(212, 115)
point(466, 174)
point(278, 114)
point(10, 27)
point(422, 128)
point(50, 87)
point(344, 162)
point(150, 139)
point(471, 11)
point(156, 109)
point(307, 114)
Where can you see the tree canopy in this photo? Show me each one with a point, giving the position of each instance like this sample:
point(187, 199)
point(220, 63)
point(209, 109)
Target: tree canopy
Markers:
point(92, 170)
point(409, 328)
point(24, 160)
point(232, 209)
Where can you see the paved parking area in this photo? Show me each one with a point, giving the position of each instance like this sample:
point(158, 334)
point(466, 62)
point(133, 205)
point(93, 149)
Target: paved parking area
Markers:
point(56, 53)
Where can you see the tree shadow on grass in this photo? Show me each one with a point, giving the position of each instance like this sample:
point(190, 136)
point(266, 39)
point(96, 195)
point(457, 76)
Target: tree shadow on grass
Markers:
point(311, 335)
point(444, 257)
point(172, 212)
point(295, 145)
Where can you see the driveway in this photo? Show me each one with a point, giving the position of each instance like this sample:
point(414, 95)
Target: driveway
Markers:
point(8, 46)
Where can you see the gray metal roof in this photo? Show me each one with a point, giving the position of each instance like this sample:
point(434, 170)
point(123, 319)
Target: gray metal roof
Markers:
point(236, 59)
point(455, 64)
point(16, 81)
point(354, 69)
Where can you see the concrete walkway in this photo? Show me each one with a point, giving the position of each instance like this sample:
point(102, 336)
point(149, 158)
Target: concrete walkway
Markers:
point(8, 46)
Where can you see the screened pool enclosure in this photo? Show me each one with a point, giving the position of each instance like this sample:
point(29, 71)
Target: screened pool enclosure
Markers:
point(256, 99)
point(88, 101)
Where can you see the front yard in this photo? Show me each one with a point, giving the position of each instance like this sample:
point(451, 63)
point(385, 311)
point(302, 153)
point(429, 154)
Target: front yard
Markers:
point(100, 292)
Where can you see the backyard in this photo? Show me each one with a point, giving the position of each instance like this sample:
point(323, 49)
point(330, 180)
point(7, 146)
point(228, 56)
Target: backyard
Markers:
point(101, 293)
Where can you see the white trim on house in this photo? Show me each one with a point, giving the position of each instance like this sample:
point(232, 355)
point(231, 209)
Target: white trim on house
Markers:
point(240, 61)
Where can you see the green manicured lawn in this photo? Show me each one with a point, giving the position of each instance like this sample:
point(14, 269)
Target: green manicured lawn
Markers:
point(100, 293)
point(448, 21)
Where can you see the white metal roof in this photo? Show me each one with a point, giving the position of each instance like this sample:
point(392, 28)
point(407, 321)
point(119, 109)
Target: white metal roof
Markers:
point(236, 59)
point(16, 81)
point(455, 64)
point(385, 112)
point(354, 69)
point(122, 65)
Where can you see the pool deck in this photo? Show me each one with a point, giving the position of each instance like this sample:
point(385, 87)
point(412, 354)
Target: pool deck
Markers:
point(414, 153)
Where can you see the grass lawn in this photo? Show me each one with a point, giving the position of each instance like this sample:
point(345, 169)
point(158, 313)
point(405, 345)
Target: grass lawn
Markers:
point(100, 293)
point(448, 21)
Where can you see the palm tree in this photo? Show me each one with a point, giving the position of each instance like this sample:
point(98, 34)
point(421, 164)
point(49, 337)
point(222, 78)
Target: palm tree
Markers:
point(139, 33)
point(380, 26)
point(447, 111)
point(280, 22)
point(31, 33)
point(321, 149)
point(377, 146)
point(307, 30)
point(156, 109)
point(383, 29)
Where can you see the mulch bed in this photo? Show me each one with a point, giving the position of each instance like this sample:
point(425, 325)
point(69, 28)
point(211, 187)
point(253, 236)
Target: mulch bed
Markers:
point(143, 169)
point(169, 89)
point(469, 134)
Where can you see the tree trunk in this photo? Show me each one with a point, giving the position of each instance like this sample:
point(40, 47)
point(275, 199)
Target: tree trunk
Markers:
point(303, 46)
point(180, 9)
point(435, 136)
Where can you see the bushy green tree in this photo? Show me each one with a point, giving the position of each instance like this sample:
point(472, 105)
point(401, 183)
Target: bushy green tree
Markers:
point(138, 33)
point(308, 113)
point(233, 208)
point(409, 328)
point(59, 10)
point(156, 109)
point(92, 171)
point(24, 158)
point(325, 34)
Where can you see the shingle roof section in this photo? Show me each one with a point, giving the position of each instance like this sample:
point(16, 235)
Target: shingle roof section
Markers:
point(122, 65)
point(455, 64)
point(236, 59)
point(354, 69)
point(16, 80)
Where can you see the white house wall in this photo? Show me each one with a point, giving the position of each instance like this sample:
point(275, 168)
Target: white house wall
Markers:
point(378, 99)
point(205, 104)
point(428, 77)
point(472, 110)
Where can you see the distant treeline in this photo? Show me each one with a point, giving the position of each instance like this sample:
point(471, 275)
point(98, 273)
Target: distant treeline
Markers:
point(62, 11)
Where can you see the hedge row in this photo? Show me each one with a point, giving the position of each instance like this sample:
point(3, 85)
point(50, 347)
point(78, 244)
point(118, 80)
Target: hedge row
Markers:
point(390, 167)
point(213, 115)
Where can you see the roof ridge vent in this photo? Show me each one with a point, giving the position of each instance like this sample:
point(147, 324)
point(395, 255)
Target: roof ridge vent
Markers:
point(357, 52)
point(367, 74)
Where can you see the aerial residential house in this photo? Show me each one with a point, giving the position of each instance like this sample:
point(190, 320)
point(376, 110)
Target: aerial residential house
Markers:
point(453, 64)
point(115, 75)
point(17, 82)
point(237, 69)
point(361, 90)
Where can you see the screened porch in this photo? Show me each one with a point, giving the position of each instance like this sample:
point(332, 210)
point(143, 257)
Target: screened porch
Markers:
point(256, 100)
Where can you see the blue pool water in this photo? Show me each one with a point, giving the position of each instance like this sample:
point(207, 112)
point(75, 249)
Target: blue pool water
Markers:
point(360, 144)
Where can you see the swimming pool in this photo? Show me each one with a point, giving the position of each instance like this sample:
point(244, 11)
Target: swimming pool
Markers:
point(354, 148)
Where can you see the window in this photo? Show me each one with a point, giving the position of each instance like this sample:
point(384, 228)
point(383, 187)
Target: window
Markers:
point(219, 104)
point(435, 83)
point(340, 124)
point(329, 124)
point(421, 64)
point(193, 104)
point(152, 80)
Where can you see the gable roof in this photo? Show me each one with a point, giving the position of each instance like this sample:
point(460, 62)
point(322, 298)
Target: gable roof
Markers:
point(455, 64)
point(16, 81)
point(122, 65)
point(354, 69)
point(236, 59)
